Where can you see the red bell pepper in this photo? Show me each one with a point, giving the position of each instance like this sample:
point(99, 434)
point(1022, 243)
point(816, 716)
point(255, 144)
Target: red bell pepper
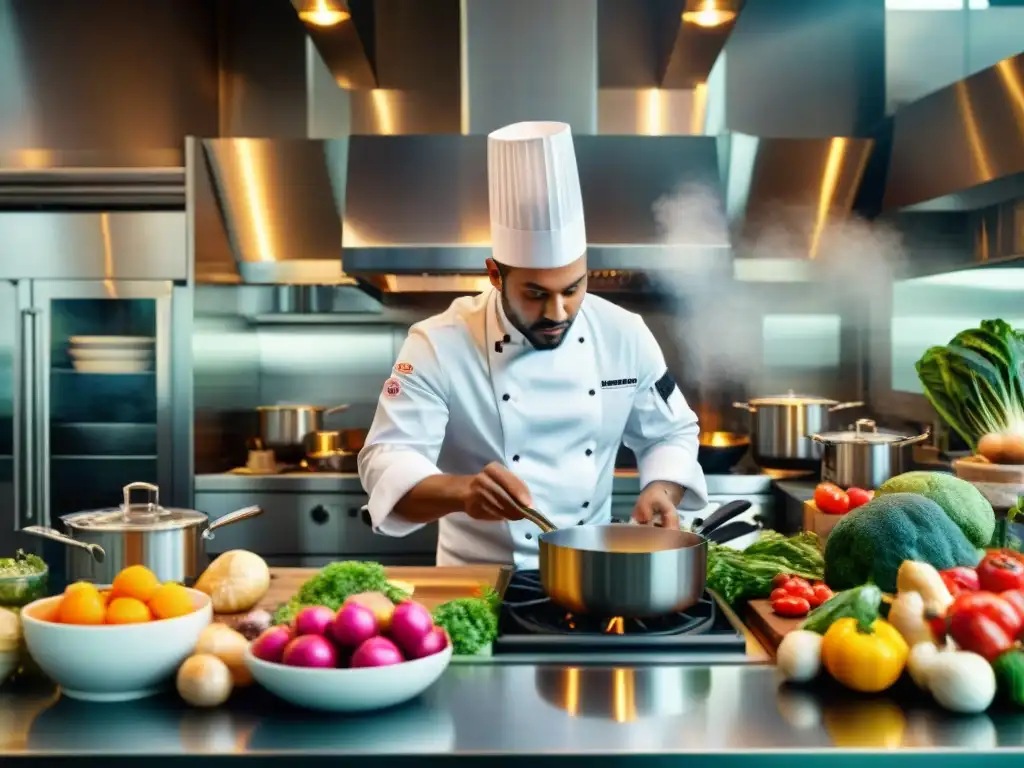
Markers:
point(998, 572)
point(984, 623)
point(960, 579)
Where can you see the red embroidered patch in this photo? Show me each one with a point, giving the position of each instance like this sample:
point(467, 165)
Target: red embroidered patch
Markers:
point(392, 388)
point(403, 367)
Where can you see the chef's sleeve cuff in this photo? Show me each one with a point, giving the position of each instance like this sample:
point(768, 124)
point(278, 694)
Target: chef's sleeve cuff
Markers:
point(396, 481)
point(675, 464)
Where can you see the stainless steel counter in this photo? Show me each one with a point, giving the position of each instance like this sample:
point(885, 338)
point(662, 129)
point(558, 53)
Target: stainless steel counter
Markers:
point(644, 714)
point(718, 485)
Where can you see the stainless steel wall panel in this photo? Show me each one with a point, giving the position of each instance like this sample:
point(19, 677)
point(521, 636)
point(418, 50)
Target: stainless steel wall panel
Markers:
point(97, 246)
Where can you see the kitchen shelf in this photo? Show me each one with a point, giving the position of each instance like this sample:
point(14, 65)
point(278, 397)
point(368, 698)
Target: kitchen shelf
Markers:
point(65, 371)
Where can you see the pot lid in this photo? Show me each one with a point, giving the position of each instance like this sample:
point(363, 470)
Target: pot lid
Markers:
point(865, 432)
point(146, 516)
point(792, 398)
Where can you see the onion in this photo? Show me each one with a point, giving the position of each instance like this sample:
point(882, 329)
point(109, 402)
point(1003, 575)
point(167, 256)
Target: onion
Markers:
point(353, 625)
point(270, 645)
point(310, 651)
point(435, 641)
point(377, 652)
point(229, 646)
point(410, 622)
point(204, 681)
point(313, 620)
point(380, 604)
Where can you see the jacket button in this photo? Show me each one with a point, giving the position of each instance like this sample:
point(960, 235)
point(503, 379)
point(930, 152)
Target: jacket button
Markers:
point(516, 457)
point(589, 452)
point(581, 339)
point(529, 536)
point(506, 397)
point(586, 504)
point(592, 393)
point(506, 338)
point(579, 522)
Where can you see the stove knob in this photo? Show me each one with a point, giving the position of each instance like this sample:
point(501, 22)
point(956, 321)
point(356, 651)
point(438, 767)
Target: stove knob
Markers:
point(319, 514)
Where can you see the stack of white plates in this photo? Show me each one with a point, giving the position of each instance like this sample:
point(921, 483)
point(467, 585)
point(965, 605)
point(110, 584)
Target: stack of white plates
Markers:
point(111, 354)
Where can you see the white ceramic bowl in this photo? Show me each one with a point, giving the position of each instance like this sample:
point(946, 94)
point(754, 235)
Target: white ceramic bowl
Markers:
point(349, 690)
point(136, 342)
point(112, 662)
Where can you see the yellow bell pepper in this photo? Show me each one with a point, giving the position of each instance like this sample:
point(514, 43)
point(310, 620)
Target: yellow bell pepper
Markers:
point(868, 661)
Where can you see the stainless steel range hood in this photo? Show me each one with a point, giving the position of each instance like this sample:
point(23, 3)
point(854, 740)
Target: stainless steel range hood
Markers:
point(961, 148)
point(784, 196)
point(417, 205)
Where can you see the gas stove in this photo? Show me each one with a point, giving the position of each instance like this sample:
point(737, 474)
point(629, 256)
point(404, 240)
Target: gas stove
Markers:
point(531, 628)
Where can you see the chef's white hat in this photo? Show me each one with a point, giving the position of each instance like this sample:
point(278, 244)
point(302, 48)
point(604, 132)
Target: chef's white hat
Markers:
point(536, 204)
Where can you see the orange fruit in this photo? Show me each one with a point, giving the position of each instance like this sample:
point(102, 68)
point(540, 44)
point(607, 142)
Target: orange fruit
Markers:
point(105, 594)
point(171, 600)
point(127, 610)
point(82, 606)
point(81, 586)
point(135, 581)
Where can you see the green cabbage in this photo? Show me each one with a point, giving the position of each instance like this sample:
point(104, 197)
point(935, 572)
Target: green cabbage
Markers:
point(976, 382)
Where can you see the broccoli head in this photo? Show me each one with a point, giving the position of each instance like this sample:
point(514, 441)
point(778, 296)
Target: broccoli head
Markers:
point(470, 622)
point(961, 501)
point(870, 543)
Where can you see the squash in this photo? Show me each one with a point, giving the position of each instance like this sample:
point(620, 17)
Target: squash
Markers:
point(962, 682)
point(914, 576)
point(235, 581)
point(907, 614)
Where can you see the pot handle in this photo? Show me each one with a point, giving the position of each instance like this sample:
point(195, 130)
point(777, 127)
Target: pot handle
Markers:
point(844, 406)
point(913, 440)
point(337, 409)
point(732, 531)
point(745, 407)
point(722, 515)
point(231, 517)
point(51, 533)
point(538, 519)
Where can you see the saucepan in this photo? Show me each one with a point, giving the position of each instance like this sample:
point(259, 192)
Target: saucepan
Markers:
point(718, 452)
point(284, 428)
point(633, 571)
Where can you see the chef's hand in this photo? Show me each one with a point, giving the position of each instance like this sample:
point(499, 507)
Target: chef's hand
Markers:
point(657, 505)
point(496, 494)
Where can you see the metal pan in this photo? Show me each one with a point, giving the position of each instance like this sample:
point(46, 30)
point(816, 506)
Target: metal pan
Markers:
point(633, 571)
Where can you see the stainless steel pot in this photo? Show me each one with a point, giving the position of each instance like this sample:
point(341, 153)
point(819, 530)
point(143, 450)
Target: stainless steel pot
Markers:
point(283, 428)
point(781, 427)
point(864, 457)
point(632, 571)
point(170, 542)
point(334, 441)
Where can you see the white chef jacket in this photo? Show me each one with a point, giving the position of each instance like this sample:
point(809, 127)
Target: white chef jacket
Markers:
point(468, 389)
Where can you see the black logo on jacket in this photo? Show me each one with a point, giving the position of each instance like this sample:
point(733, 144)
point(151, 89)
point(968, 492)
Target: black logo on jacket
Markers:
point(618, 383)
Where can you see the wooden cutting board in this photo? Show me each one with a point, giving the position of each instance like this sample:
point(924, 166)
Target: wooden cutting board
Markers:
point(433, 586)
point(769, 627)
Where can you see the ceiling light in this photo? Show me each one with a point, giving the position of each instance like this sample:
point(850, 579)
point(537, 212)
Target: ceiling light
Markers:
point(708, 13)
point(323, 13)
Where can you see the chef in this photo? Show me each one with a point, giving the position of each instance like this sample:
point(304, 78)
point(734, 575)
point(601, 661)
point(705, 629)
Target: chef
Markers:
point(522, 395)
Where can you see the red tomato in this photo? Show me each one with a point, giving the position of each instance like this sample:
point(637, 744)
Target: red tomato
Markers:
point(989, 605)
point(777, 594)
point(978, 633)
point(831, 499)
point(795, 589)
point(780, 579)
point(1000, 573)
point(791, 607)
point(822, 594)
point(859, 497)
point(1015, 597)
point(795, 581)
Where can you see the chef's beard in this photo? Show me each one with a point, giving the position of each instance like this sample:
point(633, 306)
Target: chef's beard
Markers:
point(532, 333)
